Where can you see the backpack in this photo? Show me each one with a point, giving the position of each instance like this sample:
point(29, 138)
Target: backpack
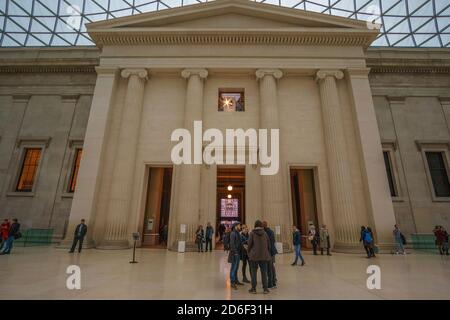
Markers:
point(367, 237)
point(403, 238)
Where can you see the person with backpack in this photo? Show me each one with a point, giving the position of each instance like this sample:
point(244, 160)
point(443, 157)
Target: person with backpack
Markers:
point(200, 238)
point(399, 240)
point(361, 239)
point(13, 234)
point(368, 242)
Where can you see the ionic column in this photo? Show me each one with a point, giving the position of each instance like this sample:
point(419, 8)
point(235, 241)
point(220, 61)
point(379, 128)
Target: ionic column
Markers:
point(116, 236)
point(189, 186)
point(274, 209)
point(344, 216)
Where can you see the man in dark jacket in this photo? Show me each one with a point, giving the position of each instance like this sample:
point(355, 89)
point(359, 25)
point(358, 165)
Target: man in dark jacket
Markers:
point(80, 233)
point(12, 235)
point(209, 234)
point(235, 254)
point(258, 250)
point(271, 273)
point(296, 241)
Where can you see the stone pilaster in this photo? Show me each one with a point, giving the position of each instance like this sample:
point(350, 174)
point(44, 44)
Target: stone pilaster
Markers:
point(189, 178)
point(344, 215)
point(116, 236)
point(85, 197)
point(274, 206)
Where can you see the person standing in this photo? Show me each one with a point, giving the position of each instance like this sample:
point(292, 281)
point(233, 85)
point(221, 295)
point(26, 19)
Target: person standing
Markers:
point(445, 243)
point(209, 234)
point(441, 238)
point(244, 255)
point(226, 239)
point(4, 232)
point(399, 238)
point(296, 241)
point(80, 233)
point(221, 231)
point(324, 240)
point(164, 233)
point(259, 255)
point(312, 236)
point(271, 272)
point(235, 254)
point(13, 234)
point(199, 238)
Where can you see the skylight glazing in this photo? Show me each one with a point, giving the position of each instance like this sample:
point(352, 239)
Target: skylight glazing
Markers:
point(405, 23)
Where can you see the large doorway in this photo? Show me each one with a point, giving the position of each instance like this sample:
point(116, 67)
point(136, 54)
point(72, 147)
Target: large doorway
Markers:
point(230, 202)
point(157, 207)
point(304, 204)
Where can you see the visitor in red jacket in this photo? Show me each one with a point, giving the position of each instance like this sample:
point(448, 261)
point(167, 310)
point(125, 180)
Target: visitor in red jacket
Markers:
point(4, 231)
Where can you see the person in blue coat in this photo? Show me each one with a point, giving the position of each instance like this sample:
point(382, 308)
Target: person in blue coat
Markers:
point(296, 241)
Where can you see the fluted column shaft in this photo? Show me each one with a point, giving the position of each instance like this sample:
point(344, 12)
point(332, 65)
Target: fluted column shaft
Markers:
point(123, 173)
point(188, 204)
point(272, 187)
point(344, 214)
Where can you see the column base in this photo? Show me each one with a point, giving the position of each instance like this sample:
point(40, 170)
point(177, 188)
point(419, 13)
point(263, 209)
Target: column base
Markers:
point(67, 244)
point(113, 245)
point(359, 248)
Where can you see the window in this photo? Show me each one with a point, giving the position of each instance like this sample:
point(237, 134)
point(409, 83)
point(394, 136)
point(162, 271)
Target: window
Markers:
point(389, 172)
point(438, 173)
point(28, 171)
point(231, 100)
point(76, 167)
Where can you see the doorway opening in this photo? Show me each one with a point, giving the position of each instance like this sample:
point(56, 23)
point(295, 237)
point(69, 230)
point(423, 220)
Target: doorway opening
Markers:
point(157, 207)
point(304, 205)
point(230, 202)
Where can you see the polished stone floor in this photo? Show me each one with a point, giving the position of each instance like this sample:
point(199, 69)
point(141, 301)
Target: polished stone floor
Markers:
point(40, 273)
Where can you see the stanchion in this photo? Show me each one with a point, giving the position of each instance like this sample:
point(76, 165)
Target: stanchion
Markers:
point(135, 238)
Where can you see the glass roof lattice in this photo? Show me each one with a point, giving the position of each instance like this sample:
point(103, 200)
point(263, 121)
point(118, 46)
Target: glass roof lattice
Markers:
point(405, 23)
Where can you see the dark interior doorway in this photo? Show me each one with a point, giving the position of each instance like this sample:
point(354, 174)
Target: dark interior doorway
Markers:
point(157, 207)
point(230, 202)
point(304, 205)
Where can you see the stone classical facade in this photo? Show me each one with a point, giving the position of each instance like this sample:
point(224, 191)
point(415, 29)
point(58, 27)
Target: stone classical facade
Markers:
point(338, 104)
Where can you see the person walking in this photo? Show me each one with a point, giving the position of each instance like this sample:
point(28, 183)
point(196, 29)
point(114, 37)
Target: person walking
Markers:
point(312, 236)
point(235, 254)
point(13, 234)
point(296, 241)
point(361, 239)
point(399, 240)
point(259, 256)
point(368, 242)
point(271, 272)
point(209, 234)
point(4, 232)
point(199, 238)
point(222, 229)
point(244, 255)
point(79, 234)
point(324, 240)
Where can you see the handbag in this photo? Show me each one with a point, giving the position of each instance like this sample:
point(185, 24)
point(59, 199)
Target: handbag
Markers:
point(18, 235)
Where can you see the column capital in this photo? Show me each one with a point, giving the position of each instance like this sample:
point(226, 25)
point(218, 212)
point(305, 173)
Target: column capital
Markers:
point(141, 73)
point(187, 73)
point(276, 73)
point(324, 73)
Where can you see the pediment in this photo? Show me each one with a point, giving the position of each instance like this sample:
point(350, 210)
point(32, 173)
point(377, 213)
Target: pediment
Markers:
point(207, 22)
